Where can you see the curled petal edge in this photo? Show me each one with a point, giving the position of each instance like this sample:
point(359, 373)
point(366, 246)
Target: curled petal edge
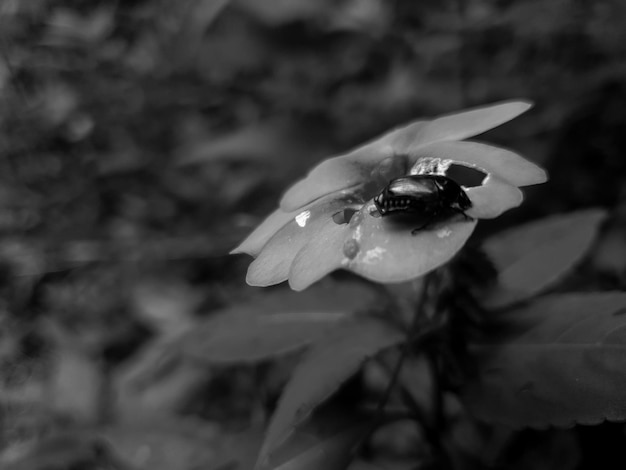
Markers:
point(346, 170)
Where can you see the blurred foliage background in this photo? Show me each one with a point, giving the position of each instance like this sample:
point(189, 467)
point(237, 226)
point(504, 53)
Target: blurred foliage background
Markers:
point(141, 140)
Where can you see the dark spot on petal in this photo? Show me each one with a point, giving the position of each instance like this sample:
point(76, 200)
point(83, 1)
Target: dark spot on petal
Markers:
point(351, 248)
point(621, 311)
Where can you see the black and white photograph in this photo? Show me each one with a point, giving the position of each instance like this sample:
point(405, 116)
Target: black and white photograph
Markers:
point(312, 234)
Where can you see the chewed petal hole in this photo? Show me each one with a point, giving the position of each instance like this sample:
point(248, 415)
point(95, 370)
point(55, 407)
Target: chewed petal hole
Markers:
point(344, 216)
point(466, 176)
point(493, 198)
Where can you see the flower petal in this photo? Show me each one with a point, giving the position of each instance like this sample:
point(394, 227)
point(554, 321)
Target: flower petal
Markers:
point(254, 243)
point(321, 256)
point(503, 163)
point(386, 252)
point(338, 173)
point(493, 198)
point(354, 168)
point(459, 126)
point(274, 262)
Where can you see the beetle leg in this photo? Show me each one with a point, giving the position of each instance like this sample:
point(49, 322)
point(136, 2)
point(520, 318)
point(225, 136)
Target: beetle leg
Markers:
point(466, 217)
point(421, 227)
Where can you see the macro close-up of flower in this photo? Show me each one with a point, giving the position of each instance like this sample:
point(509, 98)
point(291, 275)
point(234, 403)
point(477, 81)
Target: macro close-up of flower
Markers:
point(304, 235)
point(332, 219)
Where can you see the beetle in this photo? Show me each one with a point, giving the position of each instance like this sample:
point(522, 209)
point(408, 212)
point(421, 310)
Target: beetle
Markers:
point(430, 196)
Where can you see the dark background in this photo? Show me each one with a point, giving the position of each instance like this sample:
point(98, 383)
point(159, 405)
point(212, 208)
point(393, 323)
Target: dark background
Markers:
point(141, 140)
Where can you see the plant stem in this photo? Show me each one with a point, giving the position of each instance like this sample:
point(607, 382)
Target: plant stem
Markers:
point(438, 405)
point(413, 335)
point(423, 326)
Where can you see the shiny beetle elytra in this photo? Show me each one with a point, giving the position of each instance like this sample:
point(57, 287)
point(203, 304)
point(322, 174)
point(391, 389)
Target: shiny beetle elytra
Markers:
point(429, 196)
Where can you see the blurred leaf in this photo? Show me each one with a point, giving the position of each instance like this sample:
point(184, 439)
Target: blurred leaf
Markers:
point(270, 141)
point(155, 380)
point(166, 305)
point(610, 255)
point(400, 438)
point(196, 20)
point(535, 256)
point(61, 451)
point(249, 336)
point(328, 364)
point(277, 12)
point(371, 17)
point(238, 451)
point(75, 384)
point(66, 27)
point(327, 450)
point(325, 442)
point(378, 465)
point(24, 257)
point(535, 20)
point(275, 324)
point(172, 444)
point(25, 419)
point(564, 363)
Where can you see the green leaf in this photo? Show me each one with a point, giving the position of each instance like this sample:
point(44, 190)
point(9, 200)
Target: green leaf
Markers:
point(327, 365)
point(563, 363)
point(535, 256)
point(251, 336)
point(73, 370)
point(267, 141)
point(275, 324)
point(165, 443)
point(333, 453)
point(237, 451)
point(59, 450)
point(325, 442)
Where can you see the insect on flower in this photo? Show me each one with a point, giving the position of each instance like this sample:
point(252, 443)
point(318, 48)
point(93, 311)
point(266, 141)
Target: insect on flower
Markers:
point(358, 211)
point(431, 196)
